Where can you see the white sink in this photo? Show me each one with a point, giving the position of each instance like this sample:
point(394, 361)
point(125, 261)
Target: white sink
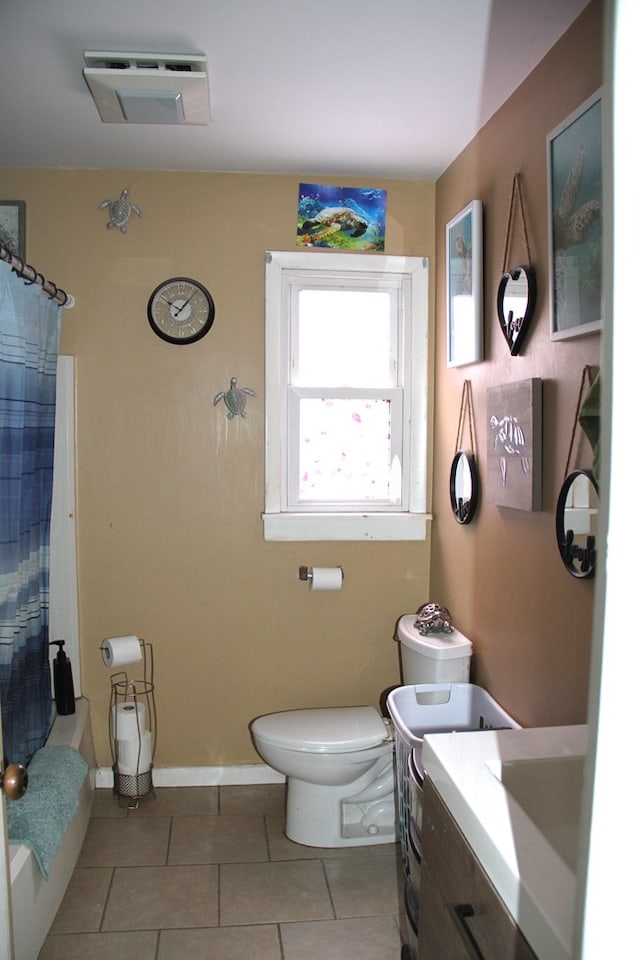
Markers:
point(516, 795)
point(549, 790)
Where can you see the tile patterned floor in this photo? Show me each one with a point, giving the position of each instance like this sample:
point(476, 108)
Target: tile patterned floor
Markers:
point(207, 873)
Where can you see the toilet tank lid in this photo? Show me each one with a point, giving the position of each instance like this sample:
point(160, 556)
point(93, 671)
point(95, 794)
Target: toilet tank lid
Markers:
point(438, 646)
point(323, 730)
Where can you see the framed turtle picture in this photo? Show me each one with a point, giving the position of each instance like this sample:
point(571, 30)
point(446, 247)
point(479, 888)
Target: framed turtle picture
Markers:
point(514, 444)
point(574, 198)
point(12, 226)
point(464, 286)
point(342, 218)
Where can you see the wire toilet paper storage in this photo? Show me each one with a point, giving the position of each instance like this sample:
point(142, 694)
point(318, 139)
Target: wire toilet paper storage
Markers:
point(132, 721)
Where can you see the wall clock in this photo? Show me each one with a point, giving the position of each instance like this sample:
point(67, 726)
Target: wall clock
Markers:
point(181, 310)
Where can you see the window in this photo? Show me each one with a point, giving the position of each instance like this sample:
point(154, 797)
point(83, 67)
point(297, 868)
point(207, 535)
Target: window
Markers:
point(346, 357)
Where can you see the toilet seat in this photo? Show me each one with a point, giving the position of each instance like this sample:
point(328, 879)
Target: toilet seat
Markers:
point(324, 730)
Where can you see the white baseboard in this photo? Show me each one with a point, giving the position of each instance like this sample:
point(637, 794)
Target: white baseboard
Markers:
point(233, 774)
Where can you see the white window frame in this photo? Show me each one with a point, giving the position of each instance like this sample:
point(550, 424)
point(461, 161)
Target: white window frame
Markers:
point(407, 522)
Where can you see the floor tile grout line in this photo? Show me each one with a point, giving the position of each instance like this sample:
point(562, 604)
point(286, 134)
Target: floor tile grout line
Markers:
point(266, 837)
point(328, 886)
point(169, 836)
point(106, 899)
point(219, 886)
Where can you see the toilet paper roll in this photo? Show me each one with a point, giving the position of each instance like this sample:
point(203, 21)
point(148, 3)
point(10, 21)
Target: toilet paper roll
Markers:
point(128, 720)
point(134, 756)
point(326, 578)
point(118, 651)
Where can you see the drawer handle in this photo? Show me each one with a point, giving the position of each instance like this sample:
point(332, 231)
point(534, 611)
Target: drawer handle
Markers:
point(464, 911)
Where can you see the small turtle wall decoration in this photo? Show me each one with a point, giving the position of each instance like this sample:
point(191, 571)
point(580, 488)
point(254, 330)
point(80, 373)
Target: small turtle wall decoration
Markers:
point(119, 211)
point(235, 399)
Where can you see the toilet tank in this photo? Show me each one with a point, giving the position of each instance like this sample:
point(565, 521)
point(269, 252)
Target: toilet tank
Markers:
point(434, 658)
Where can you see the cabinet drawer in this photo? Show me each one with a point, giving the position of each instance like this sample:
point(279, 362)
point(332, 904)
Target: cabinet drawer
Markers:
point(461, 915)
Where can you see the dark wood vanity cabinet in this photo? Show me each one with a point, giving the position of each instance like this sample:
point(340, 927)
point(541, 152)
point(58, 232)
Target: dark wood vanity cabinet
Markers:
point(461, 916)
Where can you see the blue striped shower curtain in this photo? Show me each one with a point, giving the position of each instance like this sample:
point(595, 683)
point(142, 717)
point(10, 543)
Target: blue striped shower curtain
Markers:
point(29, 338)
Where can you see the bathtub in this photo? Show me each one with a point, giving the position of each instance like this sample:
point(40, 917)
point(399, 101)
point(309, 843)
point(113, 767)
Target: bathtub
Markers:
point(35, 900)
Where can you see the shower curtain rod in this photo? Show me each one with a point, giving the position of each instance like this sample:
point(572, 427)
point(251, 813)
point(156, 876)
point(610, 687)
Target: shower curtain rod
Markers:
point(31, 275)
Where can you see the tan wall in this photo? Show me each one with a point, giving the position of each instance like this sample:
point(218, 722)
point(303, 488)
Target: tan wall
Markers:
point(170, 492)
point(502, 576)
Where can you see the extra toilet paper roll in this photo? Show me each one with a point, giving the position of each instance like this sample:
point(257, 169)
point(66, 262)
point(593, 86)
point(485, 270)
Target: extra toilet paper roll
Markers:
point(134, 756)
point(118, 651)
point(326, 578)
point(128, 720)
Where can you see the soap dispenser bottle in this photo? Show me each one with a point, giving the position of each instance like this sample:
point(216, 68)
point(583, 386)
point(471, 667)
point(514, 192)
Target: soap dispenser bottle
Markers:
point(63, 681)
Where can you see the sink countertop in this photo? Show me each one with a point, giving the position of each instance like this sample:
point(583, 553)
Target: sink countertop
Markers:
point(534, 881)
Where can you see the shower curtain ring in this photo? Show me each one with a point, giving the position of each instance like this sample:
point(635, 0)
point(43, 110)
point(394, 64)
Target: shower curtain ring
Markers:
point(15, 268)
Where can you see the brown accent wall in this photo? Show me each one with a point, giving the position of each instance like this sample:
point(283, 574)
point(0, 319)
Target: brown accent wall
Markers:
point(170, 492)
point(502, 577)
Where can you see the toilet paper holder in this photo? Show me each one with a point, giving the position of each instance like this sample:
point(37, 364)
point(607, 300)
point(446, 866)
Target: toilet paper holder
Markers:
point(306, 574)
point(133, 747)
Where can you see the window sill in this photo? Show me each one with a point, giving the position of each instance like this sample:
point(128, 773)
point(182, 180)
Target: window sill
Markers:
point(346, 526)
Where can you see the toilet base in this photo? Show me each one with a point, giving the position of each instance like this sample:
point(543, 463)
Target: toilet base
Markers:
point(362, 813)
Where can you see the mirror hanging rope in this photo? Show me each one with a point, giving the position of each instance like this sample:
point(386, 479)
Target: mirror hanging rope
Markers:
point(589, 375)
point(516, 191)
point(466, 412)
point(463, 479)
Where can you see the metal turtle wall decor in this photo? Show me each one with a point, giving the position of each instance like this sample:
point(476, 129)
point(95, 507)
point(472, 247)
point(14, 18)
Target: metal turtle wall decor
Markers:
point(120, 211)
point(235, 399)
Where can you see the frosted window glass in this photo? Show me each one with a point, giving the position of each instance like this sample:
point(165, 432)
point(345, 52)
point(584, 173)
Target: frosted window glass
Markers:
point(345, 450)
point(344, 338)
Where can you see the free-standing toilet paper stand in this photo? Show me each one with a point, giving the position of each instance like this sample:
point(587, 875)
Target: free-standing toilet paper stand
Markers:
point(132, 730)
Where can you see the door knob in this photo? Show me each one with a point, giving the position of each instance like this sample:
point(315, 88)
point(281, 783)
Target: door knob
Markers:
point(14, 780)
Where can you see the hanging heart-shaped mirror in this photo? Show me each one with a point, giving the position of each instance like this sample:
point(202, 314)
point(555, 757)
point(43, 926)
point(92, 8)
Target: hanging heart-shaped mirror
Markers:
point(516, 303)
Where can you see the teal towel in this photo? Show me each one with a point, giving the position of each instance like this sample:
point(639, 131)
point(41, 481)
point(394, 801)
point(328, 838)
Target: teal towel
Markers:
point(40, 818)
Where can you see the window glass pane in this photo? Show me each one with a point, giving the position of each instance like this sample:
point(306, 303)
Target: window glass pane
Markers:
point(345, 450)
point(344, 338)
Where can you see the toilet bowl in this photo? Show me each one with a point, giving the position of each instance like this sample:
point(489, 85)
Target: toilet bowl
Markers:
point(339, 768)
point(339, 761)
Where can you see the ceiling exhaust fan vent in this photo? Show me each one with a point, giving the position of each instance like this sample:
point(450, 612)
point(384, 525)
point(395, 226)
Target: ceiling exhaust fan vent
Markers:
point(149, 87)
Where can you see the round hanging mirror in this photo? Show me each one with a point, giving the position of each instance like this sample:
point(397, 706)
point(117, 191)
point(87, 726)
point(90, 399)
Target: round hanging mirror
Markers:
point(577, 523)
point(463, 486)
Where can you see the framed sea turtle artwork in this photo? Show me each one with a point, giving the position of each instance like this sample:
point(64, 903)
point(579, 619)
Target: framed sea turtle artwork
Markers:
point(514, 444)
point(464, 270)
point(575, 200)
point(12, 226)
point(342, 218)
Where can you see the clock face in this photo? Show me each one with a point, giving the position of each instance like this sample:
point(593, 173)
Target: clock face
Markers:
point(180, 310)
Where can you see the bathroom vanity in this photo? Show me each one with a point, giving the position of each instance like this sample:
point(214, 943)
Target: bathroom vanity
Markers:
point(461, 915)
point(500, 829)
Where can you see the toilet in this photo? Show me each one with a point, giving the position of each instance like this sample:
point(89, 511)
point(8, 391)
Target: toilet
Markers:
point(338, 761)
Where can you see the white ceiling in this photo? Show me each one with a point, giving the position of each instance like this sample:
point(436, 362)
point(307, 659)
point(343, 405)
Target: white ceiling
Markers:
point(381, 88)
